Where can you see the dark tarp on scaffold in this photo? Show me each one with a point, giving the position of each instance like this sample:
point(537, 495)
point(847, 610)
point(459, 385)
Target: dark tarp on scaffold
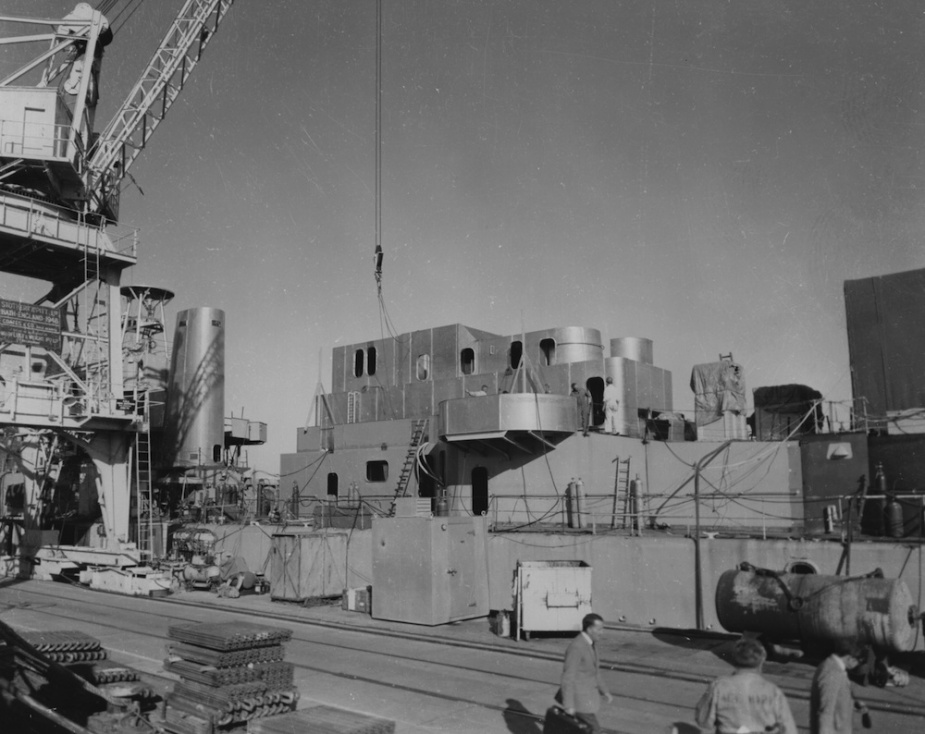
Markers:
point(886, 340)
point(786, 411)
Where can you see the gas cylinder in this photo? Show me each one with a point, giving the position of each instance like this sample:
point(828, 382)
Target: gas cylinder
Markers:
point(872, 522)
point(505, 624)
point(441, 505)
point(579, 489)
point(893, 515)
point(880, 485)
point(571, 501)
point(816, 608)
point(635, 506)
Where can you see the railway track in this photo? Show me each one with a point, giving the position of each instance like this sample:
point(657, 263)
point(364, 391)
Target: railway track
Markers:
point(527, 668)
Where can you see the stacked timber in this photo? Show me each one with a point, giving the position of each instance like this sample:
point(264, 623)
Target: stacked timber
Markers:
point(230, 673)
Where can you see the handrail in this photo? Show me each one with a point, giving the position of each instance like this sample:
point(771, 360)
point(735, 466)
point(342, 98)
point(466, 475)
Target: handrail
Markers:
point(33, 216)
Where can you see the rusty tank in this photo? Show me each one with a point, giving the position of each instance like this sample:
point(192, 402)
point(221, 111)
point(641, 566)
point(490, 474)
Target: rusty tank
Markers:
point(817, 609)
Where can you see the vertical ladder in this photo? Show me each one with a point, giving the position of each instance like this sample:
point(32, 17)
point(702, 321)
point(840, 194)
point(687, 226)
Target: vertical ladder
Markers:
point(621, 488)
point(144, 491)
point(48, 467)
point(418, 429)
point(95, 351)
point(353, 406)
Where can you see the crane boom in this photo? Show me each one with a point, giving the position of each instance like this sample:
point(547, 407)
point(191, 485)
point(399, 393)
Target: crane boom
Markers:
point(147, 104)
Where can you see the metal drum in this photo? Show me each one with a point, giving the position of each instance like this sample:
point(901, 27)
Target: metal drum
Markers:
point(810, 607)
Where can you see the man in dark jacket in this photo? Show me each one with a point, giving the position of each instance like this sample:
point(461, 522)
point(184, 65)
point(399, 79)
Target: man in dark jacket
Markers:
point(583, 402)
point(582, 684)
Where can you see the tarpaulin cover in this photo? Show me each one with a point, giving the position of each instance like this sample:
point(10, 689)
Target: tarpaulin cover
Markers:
point(886, 340)
point(785, 398)
point(786, 412)
point(719, 387)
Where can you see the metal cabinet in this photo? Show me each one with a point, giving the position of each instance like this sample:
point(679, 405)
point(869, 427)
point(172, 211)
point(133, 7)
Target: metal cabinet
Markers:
point(429, 570)
point(552, 596)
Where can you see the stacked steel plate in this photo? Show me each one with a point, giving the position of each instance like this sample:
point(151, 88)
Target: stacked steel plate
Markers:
point(66, 646)
point(322, 720)
point(86, 657)
point(103, 672)
point(230, 673)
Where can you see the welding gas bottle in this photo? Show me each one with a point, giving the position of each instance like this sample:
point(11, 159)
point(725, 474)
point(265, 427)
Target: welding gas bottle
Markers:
point(877, 512)
point(893, 516)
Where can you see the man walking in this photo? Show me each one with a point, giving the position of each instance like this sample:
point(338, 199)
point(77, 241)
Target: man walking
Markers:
point(831, 705)
point(745, 701)
point(582, 684)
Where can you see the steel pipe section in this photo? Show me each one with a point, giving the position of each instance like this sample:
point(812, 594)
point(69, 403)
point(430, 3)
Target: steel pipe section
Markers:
point(818, 609)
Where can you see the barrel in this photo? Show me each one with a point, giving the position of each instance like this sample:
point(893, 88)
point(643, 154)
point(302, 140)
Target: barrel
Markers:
point(822, 609)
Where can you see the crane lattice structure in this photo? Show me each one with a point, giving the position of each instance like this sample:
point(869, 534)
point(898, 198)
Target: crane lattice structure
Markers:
point(61, 356)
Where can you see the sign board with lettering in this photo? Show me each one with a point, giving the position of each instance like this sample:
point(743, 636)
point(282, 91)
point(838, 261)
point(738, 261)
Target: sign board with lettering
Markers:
point(31, 326)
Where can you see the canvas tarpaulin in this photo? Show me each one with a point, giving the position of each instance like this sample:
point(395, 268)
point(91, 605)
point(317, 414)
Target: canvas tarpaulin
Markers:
point(886, 340)
point(719, 387)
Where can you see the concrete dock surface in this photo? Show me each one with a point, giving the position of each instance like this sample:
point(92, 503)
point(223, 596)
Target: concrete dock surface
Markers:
point(458, 677)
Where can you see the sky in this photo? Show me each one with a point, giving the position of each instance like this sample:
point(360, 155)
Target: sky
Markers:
point(702, 173)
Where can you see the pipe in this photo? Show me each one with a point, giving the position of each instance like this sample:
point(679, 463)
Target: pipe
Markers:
point(698, 571)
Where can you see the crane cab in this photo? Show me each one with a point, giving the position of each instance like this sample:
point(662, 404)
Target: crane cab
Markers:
point(37, 143)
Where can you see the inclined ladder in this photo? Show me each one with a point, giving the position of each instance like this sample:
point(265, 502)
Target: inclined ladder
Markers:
point(418, 430)
point(621, 490)
point(94, 348)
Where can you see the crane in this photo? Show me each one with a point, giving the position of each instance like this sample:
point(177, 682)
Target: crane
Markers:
point(61, 361)
point(101, 161)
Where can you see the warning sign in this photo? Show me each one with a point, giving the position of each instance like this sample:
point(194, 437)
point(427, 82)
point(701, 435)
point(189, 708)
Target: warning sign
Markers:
point(31, 326)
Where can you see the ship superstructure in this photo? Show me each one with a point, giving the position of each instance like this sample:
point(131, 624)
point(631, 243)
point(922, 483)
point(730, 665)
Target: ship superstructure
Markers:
point(483, 424)
point(452, 408)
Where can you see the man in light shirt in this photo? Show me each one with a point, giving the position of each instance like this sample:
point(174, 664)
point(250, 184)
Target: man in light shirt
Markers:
point(611, 408)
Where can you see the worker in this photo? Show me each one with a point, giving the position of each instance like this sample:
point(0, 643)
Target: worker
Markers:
point(831, 703)
point(745, 702)
point(611, 408)
point(582, 683)
point(478, 393)
point(583, 401)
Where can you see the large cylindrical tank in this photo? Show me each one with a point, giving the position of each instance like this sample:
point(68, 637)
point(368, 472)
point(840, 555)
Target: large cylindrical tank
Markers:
point(819, 609)
point(195, 424)
point(636, 348)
